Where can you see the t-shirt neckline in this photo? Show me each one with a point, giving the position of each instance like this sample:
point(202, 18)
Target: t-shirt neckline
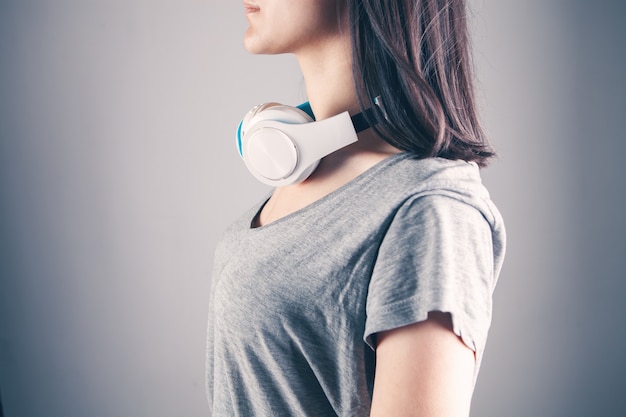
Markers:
point(397, 157)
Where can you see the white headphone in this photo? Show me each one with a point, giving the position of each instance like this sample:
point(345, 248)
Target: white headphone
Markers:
point(282, 145)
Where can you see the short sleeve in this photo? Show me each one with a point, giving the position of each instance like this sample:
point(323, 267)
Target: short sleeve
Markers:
point(437, 255)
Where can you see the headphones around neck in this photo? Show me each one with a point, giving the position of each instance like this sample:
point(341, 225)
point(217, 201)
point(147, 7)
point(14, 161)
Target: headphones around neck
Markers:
point(282, 145)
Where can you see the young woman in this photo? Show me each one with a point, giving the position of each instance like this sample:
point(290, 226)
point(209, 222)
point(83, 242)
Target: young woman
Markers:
point(365, 288)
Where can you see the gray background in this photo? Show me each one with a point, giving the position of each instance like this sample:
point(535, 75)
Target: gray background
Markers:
point(118, 171)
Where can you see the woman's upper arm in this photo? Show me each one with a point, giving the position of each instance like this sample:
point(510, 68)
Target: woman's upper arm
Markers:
point(423, 369)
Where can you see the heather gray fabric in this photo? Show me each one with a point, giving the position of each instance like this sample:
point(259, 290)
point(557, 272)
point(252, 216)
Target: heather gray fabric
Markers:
point(294, 303)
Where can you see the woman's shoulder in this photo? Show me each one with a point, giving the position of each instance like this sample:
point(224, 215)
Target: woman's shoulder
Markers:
point(416, 174)
point(408, 177)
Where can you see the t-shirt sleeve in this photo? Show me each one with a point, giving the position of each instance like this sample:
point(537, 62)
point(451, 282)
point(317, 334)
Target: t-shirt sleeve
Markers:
point(437, 255)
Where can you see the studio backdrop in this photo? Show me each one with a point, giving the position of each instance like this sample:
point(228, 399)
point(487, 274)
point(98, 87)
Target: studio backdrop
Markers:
point(119, 171)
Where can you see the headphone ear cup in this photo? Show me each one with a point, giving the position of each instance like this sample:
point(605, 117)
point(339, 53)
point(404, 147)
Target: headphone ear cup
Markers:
point(269, 111)
point(270, 153)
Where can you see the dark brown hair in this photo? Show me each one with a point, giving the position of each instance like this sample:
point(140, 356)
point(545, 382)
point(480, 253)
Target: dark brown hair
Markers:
point(415, 56)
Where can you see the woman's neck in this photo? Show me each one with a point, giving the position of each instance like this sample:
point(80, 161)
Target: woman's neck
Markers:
point(329, 79)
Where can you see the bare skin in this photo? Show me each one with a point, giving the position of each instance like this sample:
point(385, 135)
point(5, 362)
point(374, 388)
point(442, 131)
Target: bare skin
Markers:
point(423, 369)
point(325, 61)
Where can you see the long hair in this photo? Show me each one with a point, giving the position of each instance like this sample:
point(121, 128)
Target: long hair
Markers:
point(415, 56)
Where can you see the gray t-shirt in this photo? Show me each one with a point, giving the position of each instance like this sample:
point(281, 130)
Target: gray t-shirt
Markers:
point(294, 303)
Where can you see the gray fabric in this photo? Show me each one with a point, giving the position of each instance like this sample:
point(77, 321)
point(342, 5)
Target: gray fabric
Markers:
point(295, 303)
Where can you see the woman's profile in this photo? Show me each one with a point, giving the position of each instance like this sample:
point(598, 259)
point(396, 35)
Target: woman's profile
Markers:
point(362, 285)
